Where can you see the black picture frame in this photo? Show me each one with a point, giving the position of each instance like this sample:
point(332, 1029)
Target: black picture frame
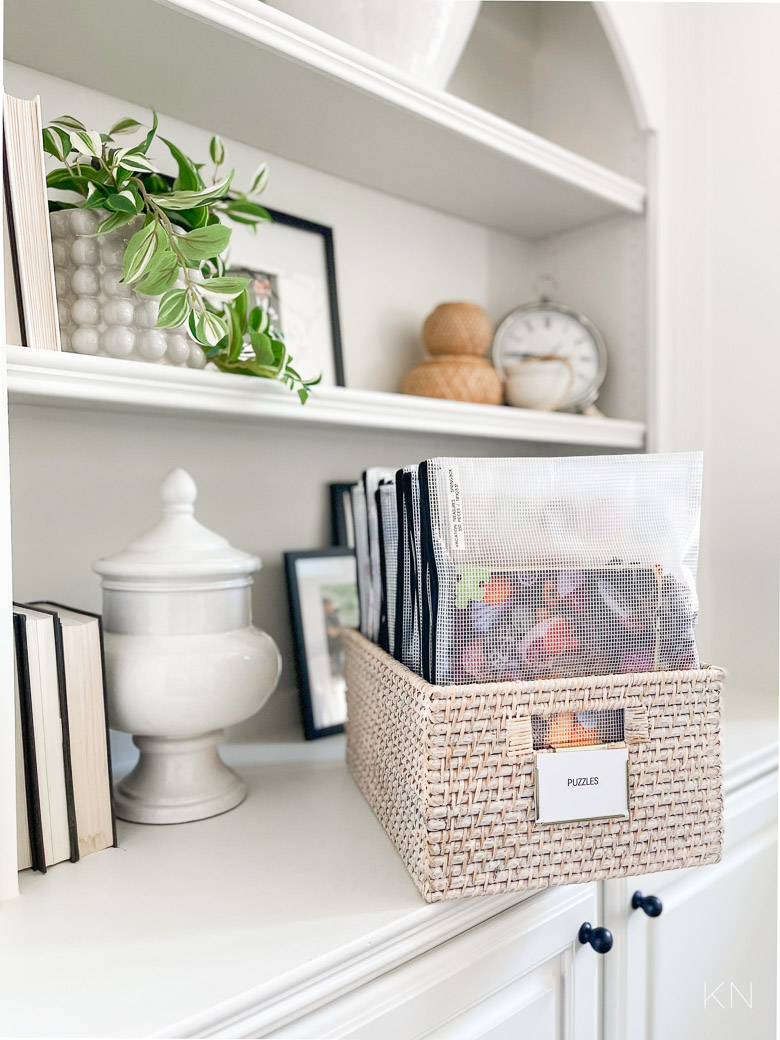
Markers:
point(326, 232)
point(340, 513)
point(310, 728)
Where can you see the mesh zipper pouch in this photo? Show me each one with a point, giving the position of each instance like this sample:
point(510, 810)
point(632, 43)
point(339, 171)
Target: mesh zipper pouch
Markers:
point(388, 562)
point(552, 568)
point(408, 616)
point(372, 478)
point(362, 560)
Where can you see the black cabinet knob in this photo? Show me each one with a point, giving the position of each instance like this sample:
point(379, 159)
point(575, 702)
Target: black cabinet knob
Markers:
point(651, 905)
point(600, 939)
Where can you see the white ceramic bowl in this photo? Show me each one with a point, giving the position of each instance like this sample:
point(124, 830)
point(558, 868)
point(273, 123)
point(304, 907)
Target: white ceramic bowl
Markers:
point(424, 38)
point(542, 383)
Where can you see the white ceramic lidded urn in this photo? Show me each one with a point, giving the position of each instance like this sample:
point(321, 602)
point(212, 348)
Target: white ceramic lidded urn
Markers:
point(183, 661)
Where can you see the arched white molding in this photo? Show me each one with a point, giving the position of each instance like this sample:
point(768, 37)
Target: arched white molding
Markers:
point(635, 32)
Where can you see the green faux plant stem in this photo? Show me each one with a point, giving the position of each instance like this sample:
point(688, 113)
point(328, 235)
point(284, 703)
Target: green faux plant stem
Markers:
point(182, 237)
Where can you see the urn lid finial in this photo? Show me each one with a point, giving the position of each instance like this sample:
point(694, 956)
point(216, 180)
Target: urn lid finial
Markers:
point(178, 548)
point(178, 492)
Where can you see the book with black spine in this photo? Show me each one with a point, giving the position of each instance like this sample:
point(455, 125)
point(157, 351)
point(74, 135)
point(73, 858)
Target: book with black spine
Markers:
point(31, 852)
point(50, 722)
point(84, 669)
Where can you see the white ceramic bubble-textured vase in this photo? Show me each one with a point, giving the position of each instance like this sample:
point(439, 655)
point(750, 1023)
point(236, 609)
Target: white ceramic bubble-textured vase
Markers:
point(99, 315)
point(183, 661)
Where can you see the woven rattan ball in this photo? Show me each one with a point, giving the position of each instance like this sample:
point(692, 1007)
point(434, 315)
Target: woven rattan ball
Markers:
point(456, 378)
point(457, 328)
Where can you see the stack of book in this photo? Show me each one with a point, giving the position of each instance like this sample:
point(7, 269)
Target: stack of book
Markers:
point(30, 295)
point(63, 759)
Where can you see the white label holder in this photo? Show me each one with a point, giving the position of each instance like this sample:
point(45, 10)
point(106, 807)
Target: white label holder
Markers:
point(574, 784)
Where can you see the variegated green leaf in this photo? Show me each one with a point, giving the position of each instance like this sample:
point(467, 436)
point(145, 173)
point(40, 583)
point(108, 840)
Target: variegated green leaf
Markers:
point(116, 220)
point(203, 243)
point(226, 288)
point(69, 123)
point(122, 202)
point(261, 344)
point(139, 252)
point(150, 136)
point(182, 200)
point(132, 160)
point(96, 196)
point(245, 211)
point(56, 142)
point(188, 178)
point(210, 329)
point(161, 275)
point(174, 308)
point(217, 150)
point(260, 179)
point(87, 142)
point(235, 333)
point(125, 126)
point(259, 320)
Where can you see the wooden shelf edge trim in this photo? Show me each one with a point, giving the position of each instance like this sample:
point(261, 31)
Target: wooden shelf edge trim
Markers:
point(301, 43)
point(72, 379)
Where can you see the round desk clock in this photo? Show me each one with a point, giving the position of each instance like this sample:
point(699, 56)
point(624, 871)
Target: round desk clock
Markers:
point(546, 329)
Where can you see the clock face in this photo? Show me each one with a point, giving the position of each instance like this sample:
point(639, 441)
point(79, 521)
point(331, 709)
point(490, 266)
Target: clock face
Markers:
point(551, 329)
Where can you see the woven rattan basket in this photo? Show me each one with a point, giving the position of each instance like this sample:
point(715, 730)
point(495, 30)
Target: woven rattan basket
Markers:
point(449, 772)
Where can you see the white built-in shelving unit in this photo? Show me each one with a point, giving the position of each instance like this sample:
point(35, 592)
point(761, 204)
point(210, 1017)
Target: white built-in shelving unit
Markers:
point(470, 193)
point(536, 160)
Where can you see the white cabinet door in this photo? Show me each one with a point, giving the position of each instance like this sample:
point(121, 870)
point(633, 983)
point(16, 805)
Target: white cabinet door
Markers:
point(707, 966)
point(521, 974)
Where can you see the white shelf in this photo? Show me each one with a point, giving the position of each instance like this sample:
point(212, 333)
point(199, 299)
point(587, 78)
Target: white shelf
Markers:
point(230, 926)
point(43, 377)
point(237, 925)
point(343, 111)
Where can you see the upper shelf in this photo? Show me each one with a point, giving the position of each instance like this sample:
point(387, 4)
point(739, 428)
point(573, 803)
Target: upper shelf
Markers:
point(50, 377)
point(252, 73)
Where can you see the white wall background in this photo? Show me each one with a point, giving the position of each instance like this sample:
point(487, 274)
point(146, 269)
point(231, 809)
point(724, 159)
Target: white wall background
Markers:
point(709, 80)
point(744, 384)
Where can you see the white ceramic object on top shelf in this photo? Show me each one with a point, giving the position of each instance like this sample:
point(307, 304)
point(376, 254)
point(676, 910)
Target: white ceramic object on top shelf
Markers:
point(542, 383)
point(183, 661)
point(99, 315)
point(424, 38)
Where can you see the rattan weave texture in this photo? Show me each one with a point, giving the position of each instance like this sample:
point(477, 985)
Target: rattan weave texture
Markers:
point(444, 772)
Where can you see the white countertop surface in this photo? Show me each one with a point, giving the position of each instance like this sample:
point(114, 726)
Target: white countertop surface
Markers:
point(182, 926)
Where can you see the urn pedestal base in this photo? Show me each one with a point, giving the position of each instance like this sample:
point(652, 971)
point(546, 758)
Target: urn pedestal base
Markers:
point(177, 781)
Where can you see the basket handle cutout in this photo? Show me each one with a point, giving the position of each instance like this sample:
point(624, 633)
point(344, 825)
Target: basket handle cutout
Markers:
point(590, 728)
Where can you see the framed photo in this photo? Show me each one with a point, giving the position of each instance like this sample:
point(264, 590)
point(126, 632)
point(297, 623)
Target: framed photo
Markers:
point(291, 266)
point(322, 589)
point(342, 527)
